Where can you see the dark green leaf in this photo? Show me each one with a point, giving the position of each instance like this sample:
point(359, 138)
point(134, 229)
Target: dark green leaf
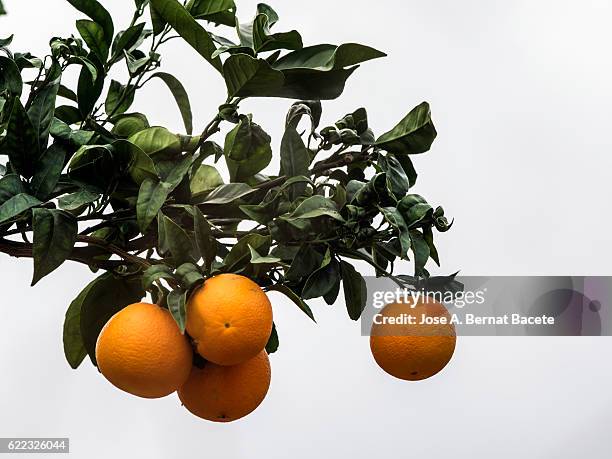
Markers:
point(246, 76)
point(55, 233)
point(21, 141)
point(272, 345)
point(322, 281)
point(74, 349)
point(41, 113)
point(295, 160)
point(241, 252)
point(10, 77)
point(316, 206)
point(10, 185)
point(206, 242)
point(119, 98)
point(151, 198)
point(77, 200)
point(420, 249)
point(181, 97)
point(328, 57)
point(395, 219)
point(293, 297)
point(187, 27)
point(106, 296)
point(88, 89)
point(16, 205)
point(177, 300)
point(397, 180)
point(177, 240)
point(355, 290)
point(48, 171)
point(414, 134)
point(215, 11)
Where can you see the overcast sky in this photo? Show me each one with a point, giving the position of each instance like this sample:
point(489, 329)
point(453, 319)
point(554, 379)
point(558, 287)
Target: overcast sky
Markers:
point(520, 94)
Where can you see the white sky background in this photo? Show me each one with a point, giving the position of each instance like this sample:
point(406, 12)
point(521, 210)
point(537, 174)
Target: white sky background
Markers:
point(520, 93)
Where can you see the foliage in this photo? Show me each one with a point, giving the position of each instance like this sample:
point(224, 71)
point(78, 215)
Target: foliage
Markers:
point(95, 182)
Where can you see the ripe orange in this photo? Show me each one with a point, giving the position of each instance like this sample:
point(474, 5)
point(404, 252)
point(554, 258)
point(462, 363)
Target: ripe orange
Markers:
point(141, 351)
point(226, 393)
point(413, 352)
point(229, 319)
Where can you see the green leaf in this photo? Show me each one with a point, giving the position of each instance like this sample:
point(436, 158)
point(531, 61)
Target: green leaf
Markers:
point(93, 34)
point(126, 40)
point(157, 142)
point(293, 297)
point(316, 206)
point(188, 28)
point(247, 150)
point(177, 300)
point(226, 194)
point(306, 261)
point(409, 169)
point(178, 242)
point(414, 134)
point(272, 345)
point(257, 259)
point(140, 166)
point(48, 171)
point(129, 124)
point(60, 130)
point(205, 241)
point(10, 77)
point(189, 275)
point(75, 201)
point(2, 10)
point(155, 273)
point(395, 219)
point(181, 97)
point(119, 99)
point(55, 234)
point(295, 160)
point(151, 198)
point(355, 290)
point(94, 10)
point(205, 179)
point(106, 296)
point(241, 252)
point(16, 205)
point(21, 141)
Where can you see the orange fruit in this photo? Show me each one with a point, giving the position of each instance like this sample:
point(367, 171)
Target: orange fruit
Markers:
point(229, 319)
point(226, 393)
point(142, 351)
point(412, 351)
